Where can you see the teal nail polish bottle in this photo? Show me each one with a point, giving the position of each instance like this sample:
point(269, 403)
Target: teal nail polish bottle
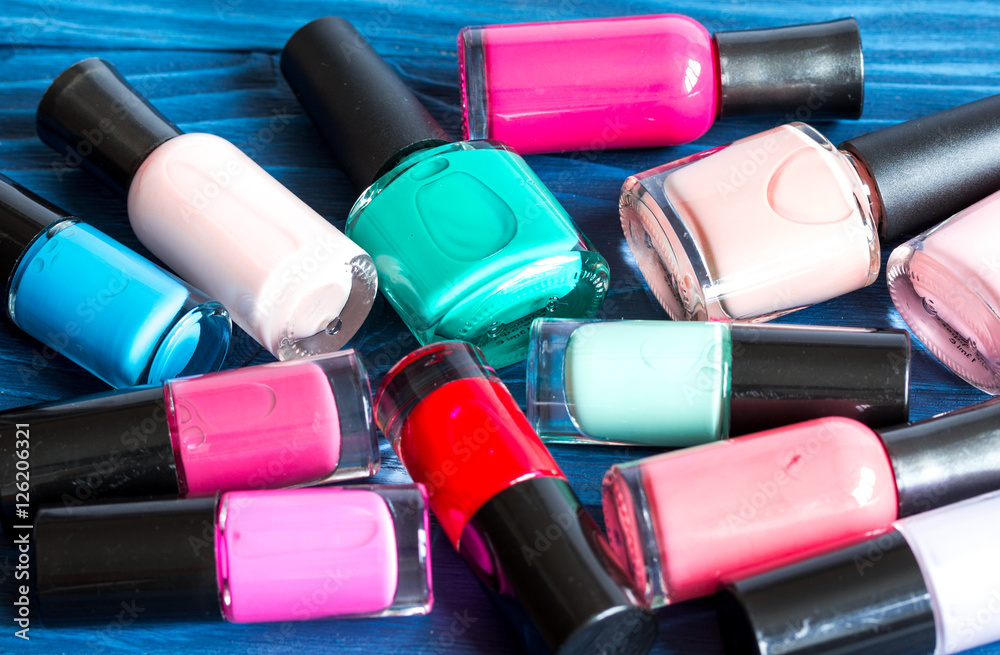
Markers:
point(684, 383)
point(467, 241)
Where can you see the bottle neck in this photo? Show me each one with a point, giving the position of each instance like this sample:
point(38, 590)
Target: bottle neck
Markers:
point(406, 152)
point(870, 189)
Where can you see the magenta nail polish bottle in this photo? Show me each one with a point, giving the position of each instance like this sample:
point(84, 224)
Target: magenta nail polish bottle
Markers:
point(641, 81)
point(242, 557)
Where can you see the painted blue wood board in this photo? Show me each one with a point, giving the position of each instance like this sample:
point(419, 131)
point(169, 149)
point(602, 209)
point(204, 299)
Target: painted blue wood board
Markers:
point(212, 66)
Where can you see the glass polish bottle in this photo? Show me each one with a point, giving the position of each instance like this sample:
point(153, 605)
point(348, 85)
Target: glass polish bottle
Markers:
point(288, 277)
point(98, 303)
point(469, 243)
point(785, 219)
point(645, 81)
point(684, 383)
point(240, 556)
point(688, 521)
point(945, 283)
point(281, 424)
point(931, 585)
point(506, 507)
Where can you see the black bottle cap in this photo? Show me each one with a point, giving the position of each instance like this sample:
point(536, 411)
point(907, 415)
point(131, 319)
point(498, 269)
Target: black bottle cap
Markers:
point(788, 374)
point(155, 559)
point(548, 567)
point(945, 458)
point(808, 72)
point(929, 168)
point(360, 105)
point(99, 121)
point(110, 445)
point(23, 216)
point(868, 598)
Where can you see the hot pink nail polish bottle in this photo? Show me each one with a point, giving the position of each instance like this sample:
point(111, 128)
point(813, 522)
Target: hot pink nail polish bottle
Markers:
point(283, 424)
point(288, 277)
point(244, 556)
point(687, 521)
point(784, 219)
point(641, 81)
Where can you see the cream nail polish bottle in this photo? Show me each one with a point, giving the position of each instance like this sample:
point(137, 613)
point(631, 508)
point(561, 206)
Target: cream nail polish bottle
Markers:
point(784, 219)
point(288, 277)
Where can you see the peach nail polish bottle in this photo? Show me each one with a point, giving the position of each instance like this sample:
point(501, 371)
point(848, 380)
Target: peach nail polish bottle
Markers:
point(288, 277)
point(784, 219)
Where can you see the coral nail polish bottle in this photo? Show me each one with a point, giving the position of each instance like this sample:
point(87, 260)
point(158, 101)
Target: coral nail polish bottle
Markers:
point(242, 557)
point(506, 507)
point(289, 278)
point(784, 219)
point(100, 304)
point(946, 285)
point(684, 522)
point(468, 242)
point(932, 585)
point(282, 424)
point(684, 383)
point(642, 81)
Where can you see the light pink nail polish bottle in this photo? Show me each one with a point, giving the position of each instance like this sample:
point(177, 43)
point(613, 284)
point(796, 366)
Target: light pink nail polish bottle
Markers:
point(288, 277)
point(784, 219)
point(946, 285)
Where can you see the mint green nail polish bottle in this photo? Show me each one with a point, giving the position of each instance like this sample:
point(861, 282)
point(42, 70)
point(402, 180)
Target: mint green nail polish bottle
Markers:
point(467, 241)
point(684, 383)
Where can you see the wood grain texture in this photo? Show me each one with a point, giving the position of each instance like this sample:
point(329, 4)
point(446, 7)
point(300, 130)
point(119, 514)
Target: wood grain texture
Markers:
point(212, 66)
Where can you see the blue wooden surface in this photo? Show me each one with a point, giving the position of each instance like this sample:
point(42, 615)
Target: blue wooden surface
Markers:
point(212, 66)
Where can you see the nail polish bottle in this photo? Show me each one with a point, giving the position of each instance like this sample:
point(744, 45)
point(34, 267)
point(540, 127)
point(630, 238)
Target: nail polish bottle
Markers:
point(275, 425)
point(946, 285)
point(643, 81)
point(100, 304)
point(242, 557)
point(469, 243)
point(932, 585)
point(505, 505)
point(783, 219)
point(289, 278)
point(687, 520)
point(684, 383)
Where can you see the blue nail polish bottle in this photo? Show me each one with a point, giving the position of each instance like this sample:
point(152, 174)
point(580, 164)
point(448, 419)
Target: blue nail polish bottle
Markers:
point(100, 304)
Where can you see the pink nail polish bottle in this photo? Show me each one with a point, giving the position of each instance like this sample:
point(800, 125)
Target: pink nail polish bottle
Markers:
point(288, 277)
point(283, 424)
point(242, 557)
point(946, 285)
point(685, 522)
point(784, 219)
point(641, 81)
